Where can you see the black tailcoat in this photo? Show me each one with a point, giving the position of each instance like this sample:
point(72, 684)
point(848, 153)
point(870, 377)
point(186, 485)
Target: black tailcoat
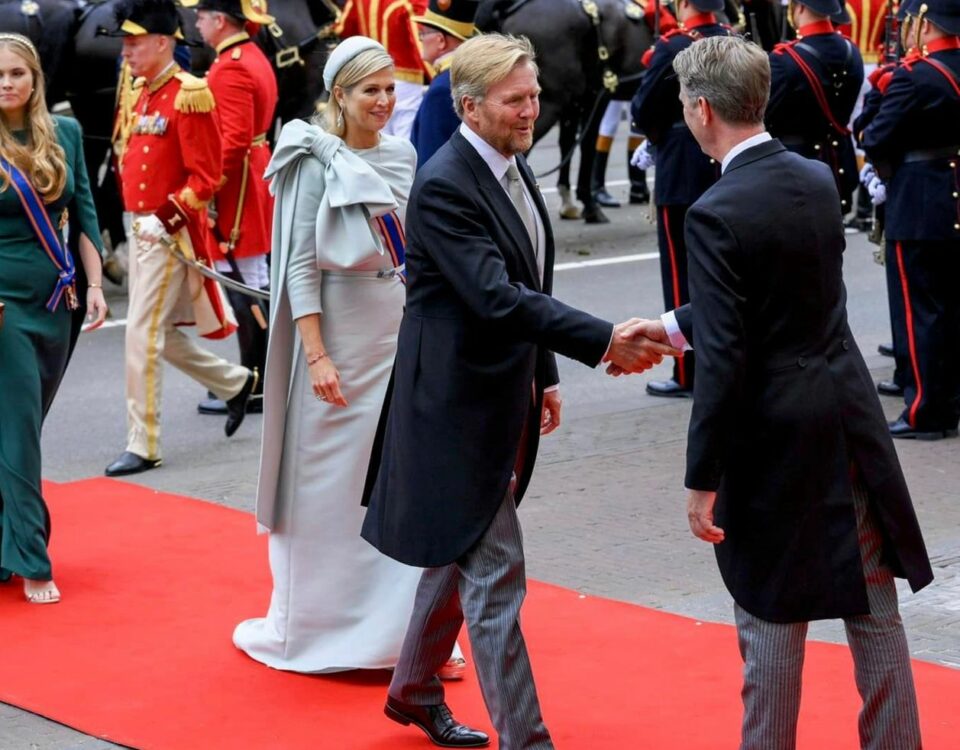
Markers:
point(784, 407)
point(473, 357)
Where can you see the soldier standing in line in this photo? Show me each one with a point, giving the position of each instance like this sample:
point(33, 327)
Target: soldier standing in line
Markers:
point(683, 172)
point(245, 89)
point(814, 86)
point(391, 24)
point(169, 170)
point(914, 143)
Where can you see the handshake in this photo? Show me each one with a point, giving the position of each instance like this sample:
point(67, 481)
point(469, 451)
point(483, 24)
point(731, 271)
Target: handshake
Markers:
point(638, 345)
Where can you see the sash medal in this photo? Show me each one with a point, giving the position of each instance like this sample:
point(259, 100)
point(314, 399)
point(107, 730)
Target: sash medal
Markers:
point(394, 240)
point(48, 237)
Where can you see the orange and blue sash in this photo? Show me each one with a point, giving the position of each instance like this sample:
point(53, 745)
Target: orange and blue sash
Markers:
point(394, 240)
point(47, 235)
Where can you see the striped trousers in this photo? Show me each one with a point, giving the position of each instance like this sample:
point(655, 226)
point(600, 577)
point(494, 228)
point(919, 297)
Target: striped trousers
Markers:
point(486, 587)
point(773, 662)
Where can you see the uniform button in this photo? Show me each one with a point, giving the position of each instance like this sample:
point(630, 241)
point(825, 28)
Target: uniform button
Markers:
point(845, 344)
point(713, 161)
point(139, 204)
point(816, 147)
point(840, 171)
point(146, 149)
point(956, 226)
point(802, 361)
point(143, 186)
point(143, 167)
point(953, 165)
point(956, 194)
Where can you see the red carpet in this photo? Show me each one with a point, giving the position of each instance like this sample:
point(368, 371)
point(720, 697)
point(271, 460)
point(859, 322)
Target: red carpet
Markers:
point(139, 652)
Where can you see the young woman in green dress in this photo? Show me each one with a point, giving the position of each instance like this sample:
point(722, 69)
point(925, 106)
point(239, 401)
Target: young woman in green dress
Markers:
point(43, 185)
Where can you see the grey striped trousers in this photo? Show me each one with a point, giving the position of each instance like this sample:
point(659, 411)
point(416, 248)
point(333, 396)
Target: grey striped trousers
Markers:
point(486, 587)
point(773, 662)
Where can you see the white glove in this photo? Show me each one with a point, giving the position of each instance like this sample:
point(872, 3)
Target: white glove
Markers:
point(867, 174)
point(643, 157)
point(877, 190)
point(149, 229)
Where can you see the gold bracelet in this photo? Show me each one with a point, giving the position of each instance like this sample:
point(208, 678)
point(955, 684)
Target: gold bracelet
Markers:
point(311, 361)
point(95, 286)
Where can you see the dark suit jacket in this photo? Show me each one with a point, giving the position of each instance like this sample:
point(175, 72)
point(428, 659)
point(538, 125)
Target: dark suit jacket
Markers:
point(784, 405)
point(476, 336)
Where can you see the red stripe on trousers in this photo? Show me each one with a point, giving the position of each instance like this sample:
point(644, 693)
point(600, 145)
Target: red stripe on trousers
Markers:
point(911, 338)
point(681, 363)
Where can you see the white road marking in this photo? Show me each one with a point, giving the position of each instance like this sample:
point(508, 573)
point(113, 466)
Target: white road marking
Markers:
point(605, 261)
point(613, 183)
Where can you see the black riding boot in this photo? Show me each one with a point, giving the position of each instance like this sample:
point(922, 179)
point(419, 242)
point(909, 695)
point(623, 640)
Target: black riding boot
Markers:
point(639, 192)
point(252, 340)
point(599, 180)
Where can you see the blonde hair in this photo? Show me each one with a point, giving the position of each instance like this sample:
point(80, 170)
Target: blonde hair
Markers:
point(730, 73)
point(42, 158)
point(484, 61)
point(365, 64)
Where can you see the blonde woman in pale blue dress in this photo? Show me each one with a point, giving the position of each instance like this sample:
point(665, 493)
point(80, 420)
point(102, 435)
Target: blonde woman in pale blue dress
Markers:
point(341, 192)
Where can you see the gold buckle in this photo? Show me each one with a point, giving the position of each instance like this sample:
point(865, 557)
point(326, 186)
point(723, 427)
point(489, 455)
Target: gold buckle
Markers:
point(289, 56)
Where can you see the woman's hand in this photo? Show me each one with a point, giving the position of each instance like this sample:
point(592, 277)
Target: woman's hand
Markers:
point(96, 308)
point(325, 379)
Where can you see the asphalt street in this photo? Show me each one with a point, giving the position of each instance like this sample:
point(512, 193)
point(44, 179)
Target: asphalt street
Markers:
point(605, 513)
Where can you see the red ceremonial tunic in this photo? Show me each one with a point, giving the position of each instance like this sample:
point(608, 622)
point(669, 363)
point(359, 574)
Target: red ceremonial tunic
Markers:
point(389, 22)
point(866, 27)
point(171, 164)
point(245, 89)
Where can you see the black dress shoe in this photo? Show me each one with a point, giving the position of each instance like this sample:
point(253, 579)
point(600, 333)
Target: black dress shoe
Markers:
point(218, 407)
point(668, 389)
point(886, 350)
point(639, 196)
point(902, 429)
point(438, 724)
point(237, 406)
point(605, 199)
point(131, 463)
point(889, 388)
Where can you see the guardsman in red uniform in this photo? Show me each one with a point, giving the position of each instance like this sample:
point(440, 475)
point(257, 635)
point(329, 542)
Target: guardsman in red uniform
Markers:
point(244, 87)
point(390, 22)
point(169, 169)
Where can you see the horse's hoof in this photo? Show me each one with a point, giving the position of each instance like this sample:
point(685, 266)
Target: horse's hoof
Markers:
point(571, 212)
point(113, 270)
point(595, 216)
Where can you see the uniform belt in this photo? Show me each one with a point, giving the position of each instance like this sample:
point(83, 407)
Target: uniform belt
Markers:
point(383, 273)
point(259, 140)
point(931, 154)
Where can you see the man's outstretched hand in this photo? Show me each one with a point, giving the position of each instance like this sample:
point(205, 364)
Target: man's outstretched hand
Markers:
point(638, 345)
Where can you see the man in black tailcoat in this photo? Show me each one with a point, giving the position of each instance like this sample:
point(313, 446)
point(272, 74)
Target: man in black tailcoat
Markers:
point(791, 471)
point(474, 386)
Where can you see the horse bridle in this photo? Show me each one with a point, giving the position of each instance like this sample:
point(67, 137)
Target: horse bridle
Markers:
point(290, 54)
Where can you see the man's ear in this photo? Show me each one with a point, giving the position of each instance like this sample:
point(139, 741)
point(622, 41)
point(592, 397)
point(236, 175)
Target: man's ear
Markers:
point(706, 111)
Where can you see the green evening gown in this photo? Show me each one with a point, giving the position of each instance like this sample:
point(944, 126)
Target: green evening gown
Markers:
point(34, 345)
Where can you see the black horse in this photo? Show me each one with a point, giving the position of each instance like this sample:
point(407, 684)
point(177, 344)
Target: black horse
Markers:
point(572, 72)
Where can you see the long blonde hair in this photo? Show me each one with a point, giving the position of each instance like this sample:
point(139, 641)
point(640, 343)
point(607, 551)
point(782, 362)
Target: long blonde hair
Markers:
point(42, 158)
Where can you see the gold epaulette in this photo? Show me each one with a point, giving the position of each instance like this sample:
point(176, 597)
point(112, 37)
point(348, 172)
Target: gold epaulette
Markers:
point(139, 83)
point(194, 95)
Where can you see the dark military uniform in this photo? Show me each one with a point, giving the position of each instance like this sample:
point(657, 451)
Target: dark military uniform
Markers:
point(436, 119)
point(683, 171)
point(815, 81)
point(914, 142)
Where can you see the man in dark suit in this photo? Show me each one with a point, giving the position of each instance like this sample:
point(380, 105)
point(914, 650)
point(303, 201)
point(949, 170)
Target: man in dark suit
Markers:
point(791, 471)
point(474, 386)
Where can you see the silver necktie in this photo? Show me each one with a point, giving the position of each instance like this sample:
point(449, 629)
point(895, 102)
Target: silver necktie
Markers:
point(519, 198)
